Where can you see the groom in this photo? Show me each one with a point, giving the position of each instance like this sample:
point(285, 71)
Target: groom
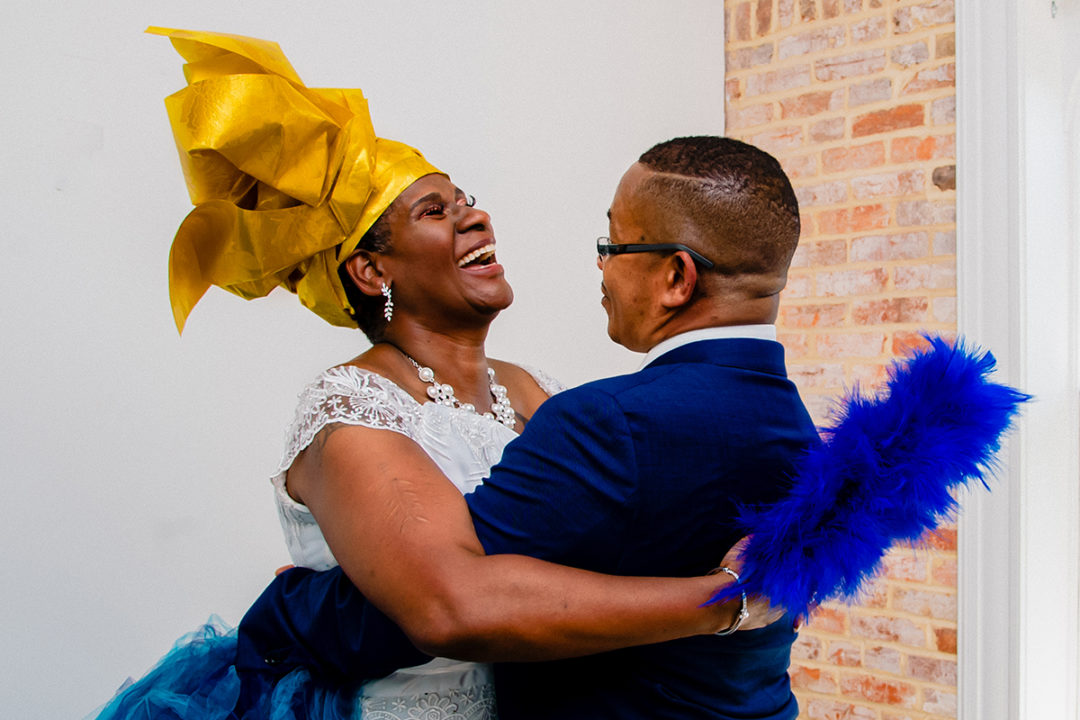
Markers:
point(634, 475)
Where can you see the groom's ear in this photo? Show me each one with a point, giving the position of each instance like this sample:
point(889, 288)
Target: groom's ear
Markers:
point(680, 280)
point(364, 269)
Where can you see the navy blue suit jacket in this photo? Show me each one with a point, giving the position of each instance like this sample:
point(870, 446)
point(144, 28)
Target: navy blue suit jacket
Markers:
point(633, 475)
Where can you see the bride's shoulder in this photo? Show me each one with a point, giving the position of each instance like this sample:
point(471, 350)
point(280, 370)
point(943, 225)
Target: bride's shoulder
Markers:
point(530, 385)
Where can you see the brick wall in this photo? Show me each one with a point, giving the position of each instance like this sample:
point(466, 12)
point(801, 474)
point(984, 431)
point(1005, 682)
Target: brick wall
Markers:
point(856, 98)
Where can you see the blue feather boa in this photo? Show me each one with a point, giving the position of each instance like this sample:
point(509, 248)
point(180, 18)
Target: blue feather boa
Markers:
point(885, 472)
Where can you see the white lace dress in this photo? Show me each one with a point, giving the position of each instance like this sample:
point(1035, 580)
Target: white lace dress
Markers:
point(465, 446)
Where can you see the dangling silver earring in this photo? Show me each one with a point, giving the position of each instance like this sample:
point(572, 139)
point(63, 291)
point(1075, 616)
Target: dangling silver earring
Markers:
point(388, 308)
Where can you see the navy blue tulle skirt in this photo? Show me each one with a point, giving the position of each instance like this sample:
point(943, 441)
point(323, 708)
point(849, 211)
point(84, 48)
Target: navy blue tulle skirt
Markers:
point(198, 680)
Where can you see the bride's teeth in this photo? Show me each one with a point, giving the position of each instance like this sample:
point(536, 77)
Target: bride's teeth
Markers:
point(479, 252)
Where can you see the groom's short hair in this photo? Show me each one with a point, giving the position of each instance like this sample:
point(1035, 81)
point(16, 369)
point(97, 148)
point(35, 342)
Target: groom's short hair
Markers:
point(735, 197)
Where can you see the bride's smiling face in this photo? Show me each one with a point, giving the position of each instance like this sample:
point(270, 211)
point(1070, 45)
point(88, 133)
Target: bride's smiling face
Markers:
point(441, 259)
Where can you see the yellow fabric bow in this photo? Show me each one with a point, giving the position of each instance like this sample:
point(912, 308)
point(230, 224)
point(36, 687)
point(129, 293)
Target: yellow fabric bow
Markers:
point(285, 179)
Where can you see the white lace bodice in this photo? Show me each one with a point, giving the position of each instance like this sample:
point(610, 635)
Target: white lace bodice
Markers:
point(464, 445)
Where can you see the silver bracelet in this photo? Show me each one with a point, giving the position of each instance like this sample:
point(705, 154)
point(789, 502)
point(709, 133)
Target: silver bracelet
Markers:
point(744, 613)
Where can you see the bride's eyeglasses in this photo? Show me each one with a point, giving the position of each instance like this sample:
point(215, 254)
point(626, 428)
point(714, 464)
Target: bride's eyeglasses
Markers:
point(605, 248)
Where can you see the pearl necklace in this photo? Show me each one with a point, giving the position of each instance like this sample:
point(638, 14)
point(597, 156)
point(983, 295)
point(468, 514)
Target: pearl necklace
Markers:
point(501, 409)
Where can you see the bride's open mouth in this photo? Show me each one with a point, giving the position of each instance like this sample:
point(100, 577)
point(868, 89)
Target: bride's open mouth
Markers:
point(484, 255)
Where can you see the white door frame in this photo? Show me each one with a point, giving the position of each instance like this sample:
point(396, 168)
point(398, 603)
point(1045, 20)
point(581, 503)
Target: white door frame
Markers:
point(1017, 295)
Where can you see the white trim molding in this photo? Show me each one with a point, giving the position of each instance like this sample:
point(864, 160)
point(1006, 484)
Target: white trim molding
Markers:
point(1017, 277)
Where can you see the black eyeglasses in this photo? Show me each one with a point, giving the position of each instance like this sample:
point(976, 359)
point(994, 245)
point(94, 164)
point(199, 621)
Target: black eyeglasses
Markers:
point(604, 248)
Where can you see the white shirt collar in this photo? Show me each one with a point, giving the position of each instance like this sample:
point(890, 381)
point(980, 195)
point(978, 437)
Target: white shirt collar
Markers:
point(759, 332)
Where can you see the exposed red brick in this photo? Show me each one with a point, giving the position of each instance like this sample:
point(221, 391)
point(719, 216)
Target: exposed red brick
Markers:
point(821, 709)
point(904, 564)
point(879, 248)
point(853, 158)
point(776, 81)
point(944, 538)
point(943, 111)
point(818, 377)
point(902, 116)
point(945, 45)
point(829, 618)
point(778, 140)
point(945, 639)
point(934, 670)
point(931, 79)
point(812, 103)
point(827, 252)
point(885, 659)
point(748, 57)
point(813, 679)
point(826, 130)
point(799, 286)
point(869, 91)
point(732, 89)
point(798, 167)
point(807, 10)
point(874, 594)
point(856, 219)
point(925, 212)
point(845, 654)
point(846, 283)
point(812, 41)
point(926, 603)
point(936, 12)
point(909, 149)
point(864, 62)
point(945, 243)
point(867, 374)
point(785, 12)
point(944, 571)
point(939, 702)
point(872, 28)
point(938, 276)
point(830, 193)
point(764, 16)
point(896, 183)
point(851, 345)
point(944, 311)
point(890, 310)
point(806, 647)
point(879, 691)
point(808, 316)
point(742, 21)
point(797, 344)
point(911, 54)
point(888, 629)
point(749, 116)
point(903, 343)
point(830, 8)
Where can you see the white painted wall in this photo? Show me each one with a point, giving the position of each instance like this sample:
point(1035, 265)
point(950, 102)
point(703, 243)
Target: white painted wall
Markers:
point(135, 463)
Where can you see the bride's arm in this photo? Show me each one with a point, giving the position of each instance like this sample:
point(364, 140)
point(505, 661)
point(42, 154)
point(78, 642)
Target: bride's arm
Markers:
point(404, 536)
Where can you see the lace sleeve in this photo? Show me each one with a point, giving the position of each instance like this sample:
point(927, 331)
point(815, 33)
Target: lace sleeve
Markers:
point(547, 383)
point(352, 396)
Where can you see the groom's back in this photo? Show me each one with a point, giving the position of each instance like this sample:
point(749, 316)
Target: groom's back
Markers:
point(709, 426)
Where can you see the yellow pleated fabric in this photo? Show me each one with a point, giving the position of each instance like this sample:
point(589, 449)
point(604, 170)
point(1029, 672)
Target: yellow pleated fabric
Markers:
point(285, 179)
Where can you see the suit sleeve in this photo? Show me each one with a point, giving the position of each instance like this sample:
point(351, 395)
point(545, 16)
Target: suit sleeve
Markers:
point(319, 620)
point(565, 490)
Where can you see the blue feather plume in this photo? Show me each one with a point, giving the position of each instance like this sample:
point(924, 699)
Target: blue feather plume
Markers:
point(884, 473)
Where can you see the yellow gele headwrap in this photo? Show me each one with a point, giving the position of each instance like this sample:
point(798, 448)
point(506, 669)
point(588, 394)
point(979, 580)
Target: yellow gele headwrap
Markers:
point(285, 179)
